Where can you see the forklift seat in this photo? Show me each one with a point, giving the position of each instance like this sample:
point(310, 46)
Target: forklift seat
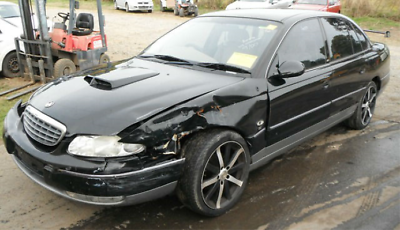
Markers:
point(84, 25)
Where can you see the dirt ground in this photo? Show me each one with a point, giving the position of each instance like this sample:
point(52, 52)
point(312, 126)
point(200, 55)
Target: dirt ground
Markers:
point(341, 179)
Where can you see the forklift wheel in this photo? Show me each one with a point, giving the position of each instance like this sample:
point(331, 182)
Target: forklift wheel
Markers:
point(10, 65)
point(196, 12)
point(104, 59)
point(181, 12)
point(64, 67)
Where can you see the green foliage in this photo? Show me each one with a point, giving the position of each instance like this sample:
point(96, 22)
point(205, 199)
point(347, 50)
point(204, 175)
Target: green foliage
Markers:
point(389, 9)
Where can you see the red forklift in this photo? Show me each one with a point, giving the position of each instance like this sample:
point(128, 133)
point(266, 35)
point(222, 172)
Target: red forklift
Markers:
point(72, 45)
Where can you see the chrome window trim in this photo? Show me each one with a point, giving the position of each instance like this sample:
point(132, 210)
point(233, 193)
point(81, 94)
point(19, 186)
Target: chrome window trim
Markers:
point(50, 121)
point(331, 62)
point(152, 168)
point(316, 108)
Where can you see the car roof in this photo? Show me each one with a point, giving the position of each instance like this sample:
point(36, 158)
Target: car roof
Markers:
point(7, 3)
point(280, 15)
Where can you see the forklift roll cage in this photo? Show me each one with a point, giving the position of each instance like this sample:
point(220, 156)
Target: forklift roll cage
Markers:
point(37, 55)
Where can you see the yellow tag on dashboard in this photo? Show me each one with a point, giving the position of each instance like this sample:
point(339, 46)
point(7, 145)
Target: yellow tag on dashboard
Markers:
point(241, 59)
point(269, 27)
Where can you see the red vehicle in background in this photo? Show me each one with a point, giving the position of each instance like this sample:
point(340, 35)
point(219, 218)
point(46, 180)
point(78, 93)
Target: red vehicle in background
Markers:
point(333, 6)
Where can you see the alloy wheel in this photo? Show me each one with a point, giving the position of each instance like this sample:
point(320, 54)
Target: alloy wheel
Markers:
point(223, 175)
point(368, 105)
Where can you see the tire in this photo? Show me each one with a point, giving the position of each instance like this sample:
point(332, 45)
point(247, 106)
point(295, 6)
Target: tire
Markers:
point(150, 11)
point(64, 67)
point(176, 11)
point(181, 12)
point(196, 12)
point(115, 5)
point(11, 66)
point(365, 109)
point(104, 59)
point(204, 179)
point(127, 7)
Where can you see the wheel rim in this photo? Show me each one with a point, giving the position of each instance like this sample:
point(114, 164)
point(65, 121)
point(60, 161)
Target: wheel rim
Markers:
point(13, 65)
point(223, 175)
point(66, 71)
point(368, 105)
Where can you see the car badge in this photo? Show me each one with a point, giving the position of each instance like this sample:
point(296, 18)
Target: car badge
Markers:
point(49, 104)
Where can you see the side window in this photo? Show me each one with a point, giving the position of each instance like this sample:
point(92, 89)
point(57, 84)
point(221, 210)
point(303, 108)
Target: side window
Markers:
point(304, 43)
point(340, 45)
point(354, 39)
point(363, 40)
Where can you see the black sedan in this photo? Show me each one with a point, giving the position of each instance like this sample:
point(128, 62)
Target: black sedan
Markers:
point(198, 109)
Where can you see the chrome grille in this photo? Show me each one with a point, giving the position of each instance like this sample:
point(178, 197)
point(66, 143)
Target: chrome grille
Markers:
point(43, 128)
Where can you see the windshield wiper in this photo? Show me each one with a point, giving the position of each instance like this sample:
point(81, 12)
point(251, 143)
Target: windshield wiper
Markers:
point(223, 67)
point(170, 59)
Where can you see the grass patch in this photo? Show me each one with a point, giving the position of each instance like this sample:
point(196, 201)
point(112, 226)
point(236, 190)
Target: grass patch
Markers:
point(5, 105)
point(372, 23)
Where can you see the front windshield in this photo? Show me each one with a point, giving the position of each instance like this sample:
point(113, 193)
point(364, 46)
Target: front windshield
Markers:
point(313, 2)
point(221, 40)
point(9, 11)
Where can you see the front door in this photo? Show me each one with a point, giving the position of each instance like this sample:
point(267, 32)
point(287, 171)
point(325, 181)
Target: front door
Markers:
point(299, 102)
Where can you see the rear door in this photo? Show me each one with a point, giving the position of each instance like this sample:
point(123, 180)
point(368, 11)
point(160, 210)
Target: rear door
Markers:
point(347, 58)
point(300, 102)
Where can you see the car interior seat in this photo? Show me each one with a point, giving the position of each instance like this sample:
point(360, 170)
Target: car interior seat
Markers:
point(84, 25)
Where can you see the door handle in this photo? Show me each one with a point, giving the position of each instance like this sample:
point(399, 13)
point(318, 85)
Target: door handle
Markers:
point(362, 71)
point(326, 86)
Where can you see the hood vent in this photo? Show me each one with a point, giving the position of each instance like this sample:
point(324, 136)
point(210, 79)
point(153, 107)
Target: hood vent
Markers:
point(119, 78)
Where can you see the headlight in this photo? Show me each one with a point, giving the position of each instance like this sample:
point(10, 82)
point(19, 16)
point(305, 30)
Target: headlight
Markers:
point(102, 146)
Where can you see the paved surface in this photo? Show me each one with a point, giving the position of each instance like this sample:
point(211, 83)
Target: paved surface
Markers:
point(339, 180)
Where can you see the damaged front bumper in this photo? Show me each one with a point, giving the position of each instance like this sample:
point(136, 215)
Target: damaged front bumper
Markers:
point(72, 180)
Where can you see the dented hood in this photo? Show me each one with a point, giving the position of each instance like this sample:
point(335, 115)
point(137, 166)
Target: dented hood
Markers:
point(108, 99)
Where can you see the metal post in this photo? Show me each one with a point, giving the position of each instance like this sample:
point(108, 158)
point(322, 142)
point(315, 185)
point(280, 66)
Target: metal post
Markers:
point(21, 72)
point(43, 27)
point(71, 16)
point(29, 63)
point(26, 17)
point(41, 71)
point(101, 22)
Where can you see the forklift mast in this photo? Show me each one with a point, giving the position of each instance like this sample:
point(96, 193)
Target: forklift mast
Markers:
point(39, 57)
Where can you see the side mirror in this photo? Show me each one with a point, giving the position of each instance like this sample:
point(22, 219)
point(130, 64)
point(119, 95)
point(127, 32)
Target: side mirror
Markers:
point(290, 69)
